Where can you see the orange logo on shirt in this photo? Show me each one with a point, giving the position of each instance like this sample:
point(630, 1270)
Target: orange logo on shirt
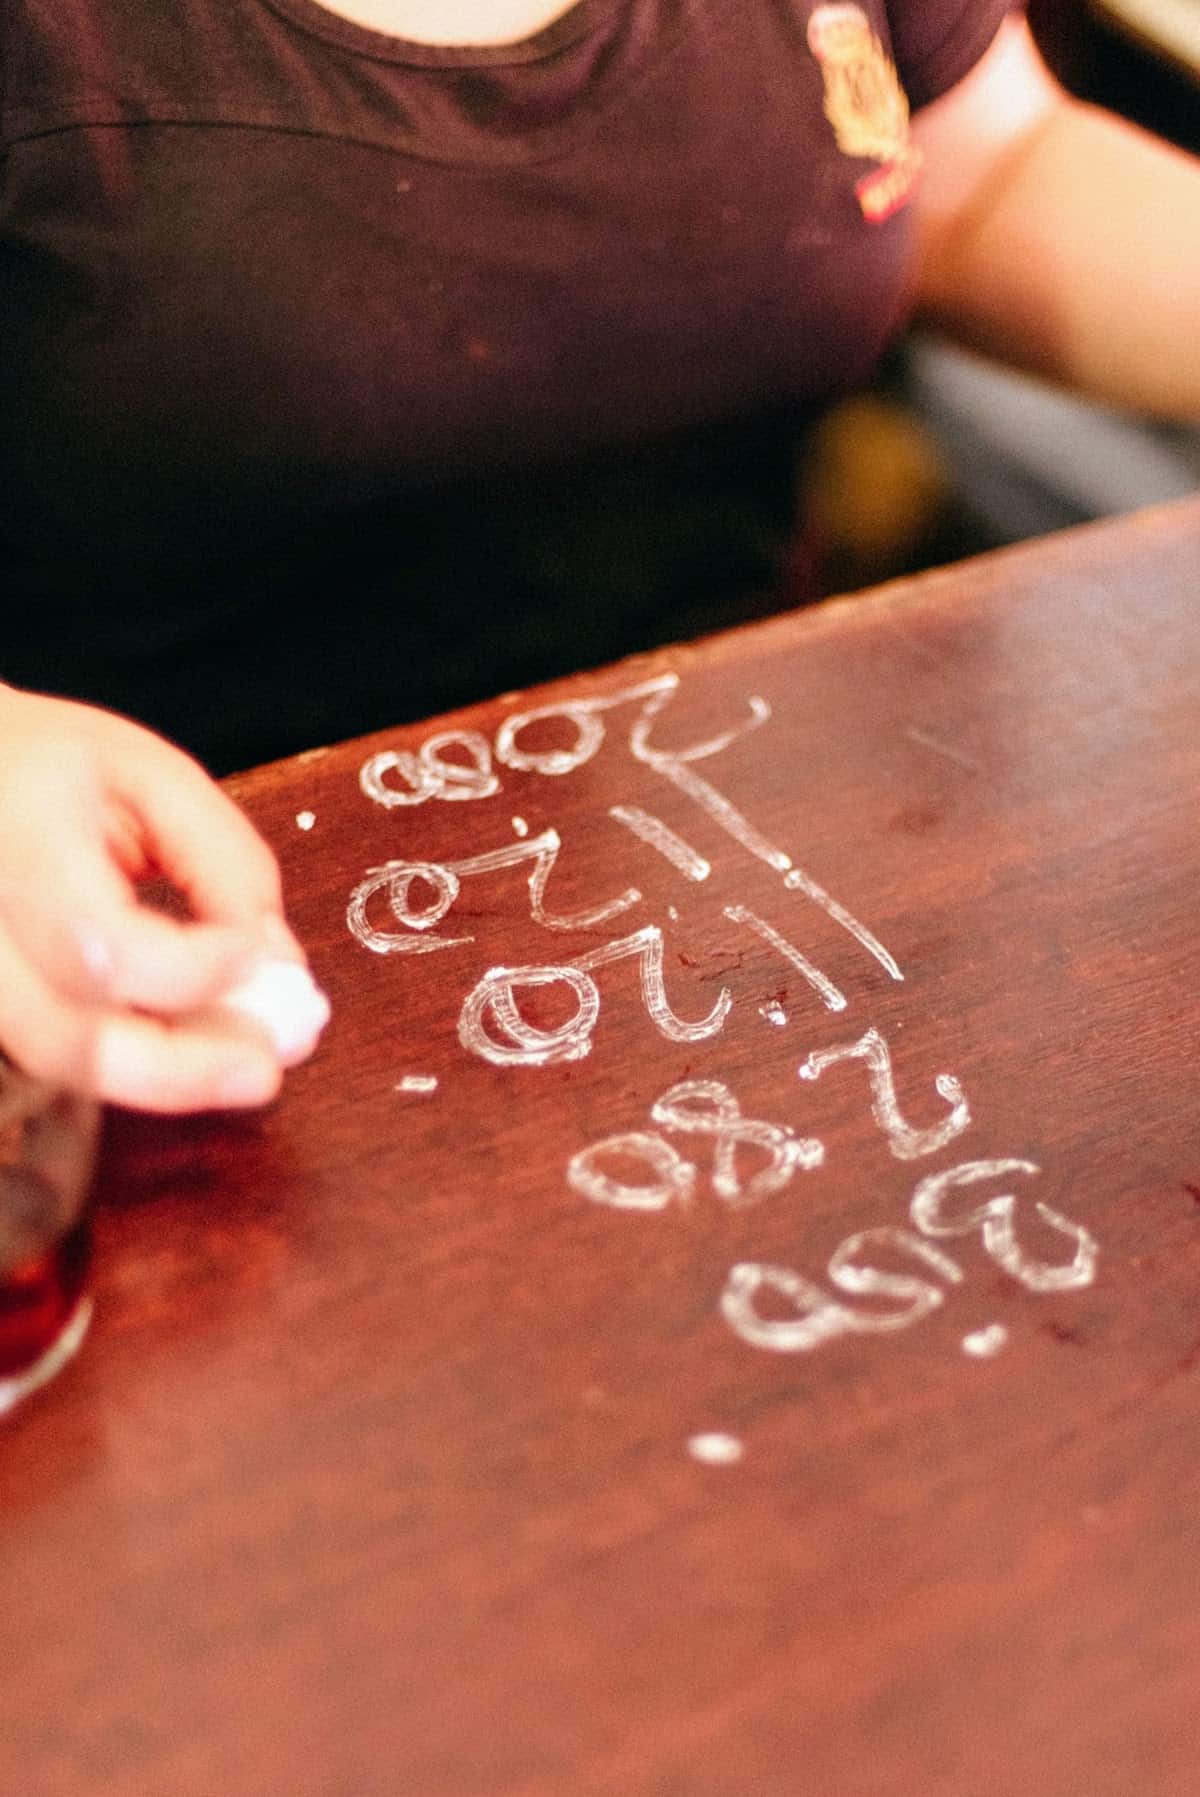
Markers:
point(866, 105)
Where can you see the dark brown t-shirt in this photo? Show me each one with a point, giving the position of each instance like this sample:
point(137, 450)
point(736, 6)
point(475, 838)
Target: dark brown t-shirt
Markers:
point(342, 377)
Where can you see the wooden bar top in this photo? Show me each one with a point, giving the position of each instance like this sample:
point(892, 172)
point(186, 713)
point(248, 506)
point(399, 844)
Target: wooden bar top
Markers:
point(720, 1314)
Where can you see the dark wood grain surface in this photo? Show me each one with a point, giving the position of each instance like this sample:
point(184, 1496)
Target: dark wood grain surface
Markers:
point(379, 1472)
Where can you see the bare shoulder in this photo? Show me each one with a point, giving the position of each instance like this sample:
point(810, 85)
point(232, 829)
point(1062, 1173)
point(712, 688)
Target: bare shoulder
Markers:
point(970, 131)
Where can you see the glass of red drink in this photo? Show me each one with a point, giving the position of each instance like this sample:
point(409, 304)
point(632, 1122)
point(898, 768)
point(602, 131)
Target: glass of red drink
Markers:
point(47, 1155)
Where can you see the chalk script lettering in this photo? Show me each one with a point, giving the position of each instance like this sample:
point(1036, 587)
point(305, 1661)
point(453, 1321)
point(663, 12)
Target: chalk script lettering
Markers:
point(674, 766)
point(851, 1274)
point(828, 993)
point(906, 1143)
point(543, 850)
point(776, 1307)
point(706, 1107)
point(995, 1219)
point(657, 835)
point(796, 880)
point(647, 945)
point(674, 1178)
point(819, 1318)
point(585, 717)
point(396, 879)
point(493, 1002)
point(429, 776)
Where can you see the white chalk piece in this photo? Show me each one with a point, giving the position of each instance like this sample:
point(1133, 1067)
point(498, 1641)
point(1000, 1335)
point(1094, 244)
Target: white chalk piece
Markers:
point(284, 999)
point(305, 820)
point(420, 1083)
point(715, 1448)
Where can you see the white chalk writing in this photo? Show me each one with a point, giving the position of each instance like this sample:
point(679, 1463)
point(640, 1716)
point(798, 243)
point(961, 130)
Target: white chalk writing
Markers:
point(651, 830)
point(778, 1308)
point(673, 1181)
point(706, 1107)
point(493, 1000)
point(905, 1142)
point(817, 1317)
point(395, 878)
point(820, 983)
point(995, 1220)
point(429, 775)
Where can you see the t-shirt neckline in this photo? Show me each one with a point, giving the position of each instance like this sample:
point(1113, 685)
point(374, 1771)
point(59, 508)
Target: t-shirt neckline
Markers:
point(573, 25)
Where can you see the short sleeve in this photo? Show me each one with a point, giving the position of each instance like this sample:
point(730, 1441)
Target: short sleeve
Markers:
point(937, 42)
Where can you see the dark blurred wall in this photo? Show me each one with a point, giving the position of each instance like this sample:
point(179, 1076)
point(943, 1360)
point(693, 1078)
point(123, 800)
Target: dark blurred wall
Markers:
point(1098, 61)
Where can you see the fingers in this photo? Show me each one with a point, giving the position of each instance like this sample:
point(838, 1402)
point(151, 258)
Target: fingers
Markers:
point(202, 841)
point(78, 919)
point(116, 801)
point(81, 924)
point(100, 992)
point(191, 1063)
point(202, 1064)
point(153, 963)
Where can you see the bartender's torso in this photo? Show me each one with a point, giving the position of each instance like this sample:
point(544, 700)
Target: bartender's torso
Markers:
point(263, 267)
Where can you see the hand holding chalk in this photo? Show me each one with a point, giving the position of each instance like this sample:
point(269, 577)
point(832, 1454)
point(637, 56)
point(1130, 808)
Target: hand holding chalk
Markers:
point(284, 1000)
point(101, 993)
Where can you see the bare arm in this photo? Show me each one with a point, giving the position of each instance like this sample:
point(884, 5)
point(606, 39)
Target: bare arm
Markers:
point(1060, 238)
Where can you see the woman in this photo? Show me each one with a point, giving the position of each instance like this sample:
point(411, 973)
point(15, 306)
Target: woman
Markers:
point(345, 346)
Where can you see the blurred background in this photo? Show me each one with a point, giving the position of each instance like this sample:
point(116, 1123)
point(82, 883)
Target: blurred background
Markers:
point(949, 455)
